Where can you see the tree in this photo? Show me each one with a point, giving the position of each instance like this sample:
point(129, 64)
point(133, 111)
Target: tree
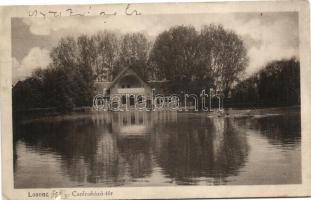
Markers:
point(65, 54)
point(107, 49)
point(175, 53)
point(84, 76)
point(59, 90)
point(72, 62)
point(227, 55)
point(191, 60)
point(214, 55)
point(277, 84)
point(27, 94)
point(134, 51)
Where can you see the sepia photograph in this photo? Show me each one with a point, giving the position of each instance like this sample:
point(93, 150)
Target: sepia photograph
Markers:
point(101, 99)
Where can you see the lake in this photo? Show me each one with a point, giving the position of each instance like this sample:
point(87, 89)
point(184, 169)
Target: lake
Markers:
point(165, 148)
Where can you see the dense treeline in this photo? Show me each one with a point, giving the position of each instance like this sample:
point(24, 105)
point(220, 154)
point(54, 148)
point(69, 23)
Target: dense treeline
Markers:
point(190, 60)
point(68, 81)
point(278, 84)
point(214, 57)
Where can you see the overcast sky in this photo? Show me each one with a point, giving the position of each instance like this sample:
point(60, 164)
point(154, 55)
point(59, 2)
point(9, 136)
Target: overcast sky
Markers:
point(267, 36)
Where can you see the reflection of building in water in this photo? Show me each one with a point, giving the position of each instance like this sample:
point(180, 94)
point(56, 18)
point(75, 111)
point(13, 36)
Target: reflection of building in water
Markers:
point(131, 123)
point(126, 153)
point(116, 148)
point(137, 122)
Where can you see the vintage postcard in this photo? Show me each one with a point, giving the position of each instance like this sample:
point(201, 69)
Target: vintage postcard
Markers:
point(155, 101)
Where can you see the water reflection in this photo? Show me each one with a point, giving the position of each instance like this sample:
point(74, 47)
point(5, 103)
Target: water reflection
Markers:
point(208, 147)
point(137, 148)
point(280, 130)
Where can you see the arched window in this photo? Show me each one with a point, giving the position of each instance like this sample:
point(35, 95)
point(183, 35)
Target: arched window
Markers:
point(123, 99)
point(132, 100)
point(139, 99)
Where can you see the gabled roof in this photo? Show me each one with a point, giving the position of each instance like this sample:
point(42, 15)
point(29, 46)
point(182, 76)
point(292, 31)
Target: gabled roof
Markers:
point(120, 75)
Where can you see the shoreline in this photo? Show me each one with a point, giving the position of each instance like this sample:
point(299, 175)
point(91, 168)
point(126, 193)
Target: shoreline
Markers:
point(227, 112)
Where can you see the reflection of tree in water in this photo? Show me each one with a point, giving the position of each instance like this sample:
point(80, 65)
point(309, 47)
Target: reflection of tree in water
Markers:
point(137, 153)
point(210, 148)
point(133, 141)
point(135, 144)
point(92, 150)
point(86, 148)
point(284, 130)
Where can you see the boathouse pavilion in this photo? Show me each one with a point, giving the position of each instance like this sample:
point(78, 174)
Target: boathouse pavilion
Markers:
point(127, 86)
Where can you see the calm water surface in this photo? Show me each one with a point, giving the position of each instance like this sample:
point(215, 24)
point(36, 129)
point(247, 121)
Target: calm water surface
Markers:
point(158, 148)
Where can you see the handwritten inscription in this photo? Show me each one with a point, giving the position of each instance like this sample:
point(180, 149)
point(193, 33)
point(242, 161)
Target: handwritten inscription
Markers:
point(128, 10)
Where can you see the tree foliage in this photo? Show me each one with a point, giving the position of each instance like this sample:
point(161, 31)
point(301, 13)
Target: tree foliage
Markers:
point(77, 63)
point(278, 84)
point(175, 53)
point(214, 54)
point(134, 50)
point(107, 50)
point(227, 55)
point(66, 83)
point(191, 60)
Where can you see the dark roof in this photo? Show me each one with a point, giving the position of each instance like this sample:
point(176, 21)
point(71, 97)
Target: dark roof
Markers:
point(120, 75)
point(159, 86)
